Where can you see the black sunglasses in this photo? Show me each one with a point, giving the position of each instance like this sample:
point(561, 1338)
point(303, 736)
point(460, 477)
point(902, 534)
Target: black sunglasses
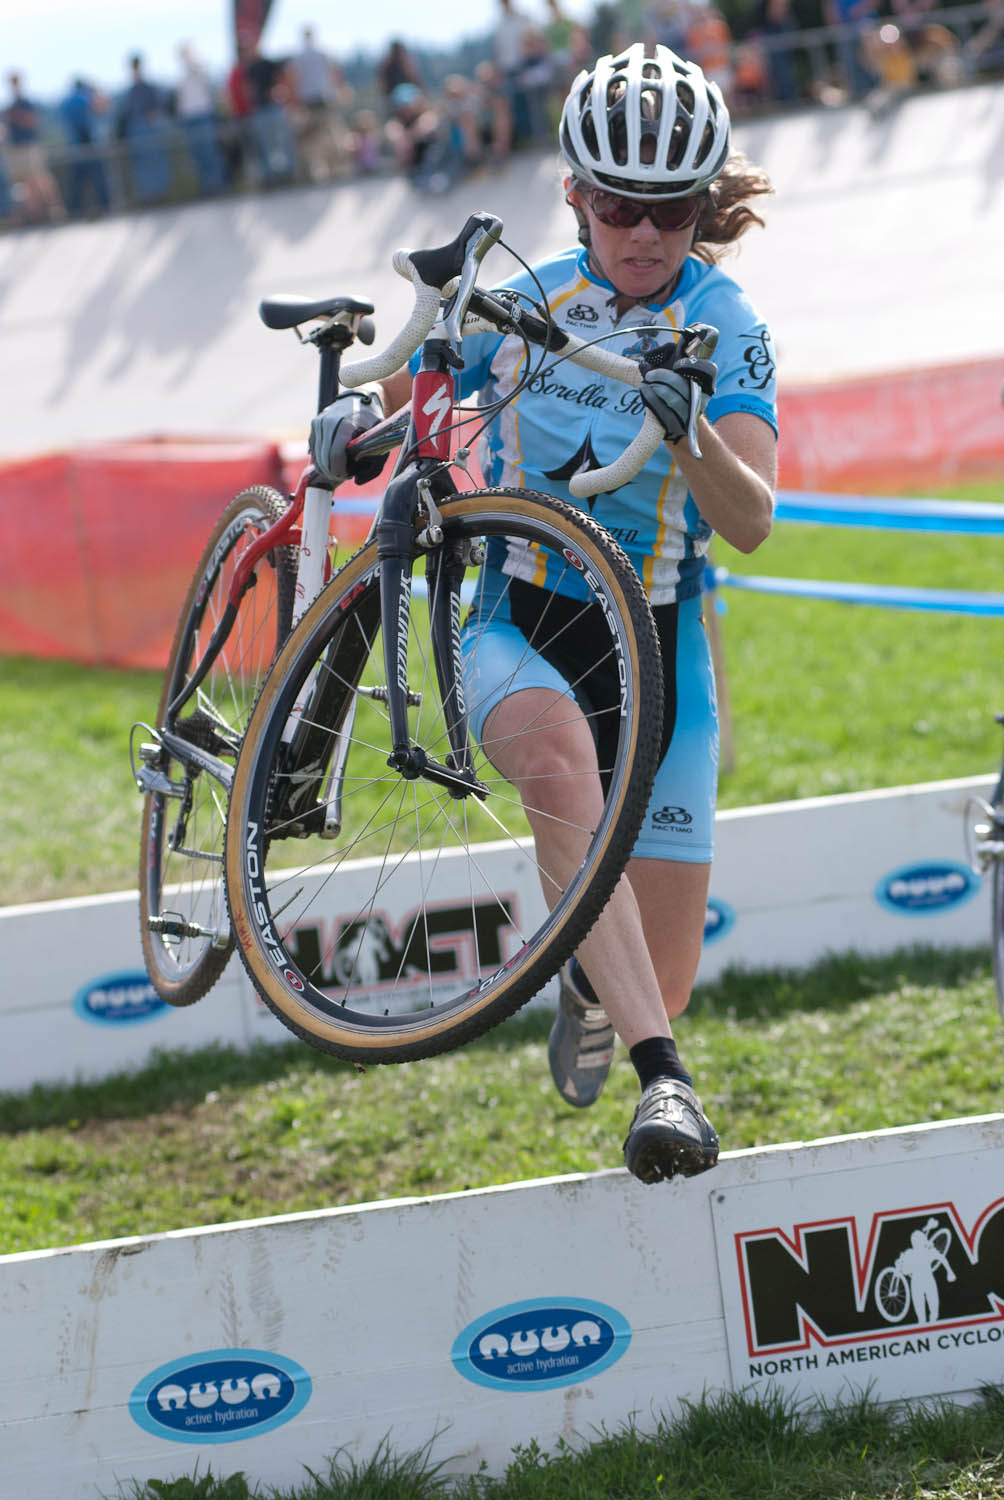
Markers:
point(625, 213)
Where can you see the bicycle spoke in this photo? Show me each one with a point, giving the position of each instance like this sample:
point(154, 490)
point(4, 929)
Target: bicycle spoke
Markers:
point(399, 932)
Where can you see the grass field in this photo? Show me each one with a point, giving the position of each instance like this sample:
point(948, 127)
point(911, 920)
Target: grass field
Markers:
point(729, 1448)
point(825, 698)
point(851, 1044)
point(219, 1135)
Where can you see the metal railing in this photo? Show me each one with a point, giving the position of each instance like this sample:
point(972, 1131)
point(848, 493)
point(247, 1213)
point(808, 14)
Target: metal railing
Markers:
point(178, 162)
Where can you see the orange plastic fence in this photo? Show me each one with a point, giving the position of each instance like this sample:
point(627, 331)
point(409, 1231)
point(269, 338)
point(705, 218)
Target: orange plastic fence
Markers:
point(99, 544)
point(888, 432)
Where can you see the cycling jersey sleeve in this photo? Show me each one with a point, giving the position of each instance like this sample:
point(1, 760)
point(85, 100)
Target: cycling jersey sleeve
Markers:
point(747, 378)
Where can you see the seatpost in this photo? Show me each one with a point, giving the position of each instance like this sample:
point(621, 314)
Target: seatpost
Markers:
point(327, 381)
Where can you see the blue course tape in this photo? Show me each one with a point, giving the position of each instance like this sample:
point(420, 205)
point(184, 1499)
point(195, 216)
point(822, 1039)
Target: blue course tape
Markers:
point(897, 515)
point(953, 601)
point(364, 507)
point(836, 510)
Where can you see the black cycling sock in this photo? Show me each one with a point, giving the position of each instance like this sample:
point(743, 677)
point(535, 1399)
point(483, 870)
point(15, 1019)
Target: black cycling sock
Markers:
point(657, 1057)
point(578, 973)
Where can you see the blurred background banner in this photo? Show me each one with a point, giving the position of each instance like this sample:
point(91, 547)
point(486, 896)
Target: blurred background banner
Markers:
point(249, 21)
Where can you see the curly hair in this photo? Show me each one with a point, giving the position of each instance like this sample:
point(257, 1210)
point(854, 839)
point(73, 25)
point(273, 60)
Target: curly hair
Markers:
point(725, 213)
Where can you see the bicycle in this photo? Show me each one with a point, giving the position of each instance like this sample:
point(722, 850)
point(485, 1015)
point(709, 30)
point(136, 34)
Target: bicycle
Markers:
point(265, 560)
point(374, 945)
point(986, 856)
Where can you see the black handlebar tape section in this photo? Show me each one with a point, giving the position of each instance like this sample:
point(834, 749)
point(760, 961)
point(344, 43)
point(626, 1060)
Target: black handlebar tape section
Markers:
point(538, 328)
point(662, 357)
point(437, 267)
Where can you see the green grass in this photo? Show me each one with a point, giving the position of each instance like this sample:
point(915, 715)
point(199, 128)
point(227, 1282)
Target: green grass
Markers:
point(824, 697)
point(219, 1135)
point(834, 697)
point(730, 1447)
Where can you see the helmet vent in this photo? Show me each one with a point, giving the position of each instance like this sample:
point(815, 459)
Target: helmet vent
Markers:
point(650, 125)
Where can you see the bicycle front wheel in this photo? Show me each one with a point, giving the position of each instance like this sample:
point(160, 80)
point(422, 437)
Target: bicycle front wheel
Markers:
point(383, 918)
point(184, 925)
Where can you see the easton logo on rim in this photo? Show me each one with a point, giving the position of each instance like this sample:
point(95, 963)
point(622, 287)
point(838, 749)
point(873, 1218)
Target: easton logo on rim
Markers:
point(541, 1344)
point(220, 1396)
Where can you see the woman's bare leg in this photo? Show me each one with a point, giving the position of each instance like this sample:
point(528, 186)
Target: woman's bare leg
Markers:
point(541, 742)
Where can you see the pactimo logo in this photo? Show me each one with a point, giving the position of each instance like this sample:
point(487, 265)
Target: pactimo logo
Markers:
point(922, 1281)
point(917, 890)
point(117, 999)
point(541, 1344)
point(672, 817)
point(719, 918)
point(220, 1396)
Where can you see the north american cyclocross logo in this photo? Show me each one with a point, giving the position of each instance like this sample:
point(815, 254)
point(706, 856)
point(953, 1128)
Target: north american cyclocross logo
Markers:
point(922, 1281)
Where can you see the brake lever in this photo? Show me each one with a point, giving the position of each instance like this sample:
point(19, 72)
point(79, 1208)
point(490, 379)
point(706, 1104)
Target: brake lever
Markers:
point(695, 406)
point(702, 344)
point(487, 234)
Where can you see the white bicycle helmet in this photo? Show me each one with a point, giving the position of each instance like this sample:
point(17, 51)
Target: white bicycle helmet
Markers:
point(645, 126)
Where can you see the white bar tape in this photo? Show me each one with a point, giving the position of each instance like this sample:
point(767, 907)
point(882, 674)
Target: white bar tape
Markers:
point(403, 345)
point(624, 468)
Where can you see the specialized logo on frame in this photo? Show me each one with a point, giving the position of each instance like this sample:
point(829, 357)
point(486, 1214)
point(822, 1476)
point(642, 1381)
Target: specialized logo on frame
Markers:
point(909, 1284)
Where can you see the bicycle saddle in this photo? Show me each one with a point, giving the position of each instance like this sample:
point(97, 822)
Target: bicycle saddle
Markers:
point(287, 309)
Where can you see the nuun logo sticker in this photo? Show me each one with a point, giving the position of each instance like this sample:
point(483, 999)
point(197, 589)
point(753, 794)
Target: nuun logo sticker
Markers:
point(917, 890)
point(220, 1396)
point(116, 999)
point(719, 919)
point(541, 1344)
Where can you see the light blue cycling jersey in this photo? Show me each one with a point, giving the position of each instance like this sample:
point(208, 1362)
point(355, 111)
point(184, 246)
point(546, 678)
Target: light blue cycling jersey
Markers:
point(569, 419)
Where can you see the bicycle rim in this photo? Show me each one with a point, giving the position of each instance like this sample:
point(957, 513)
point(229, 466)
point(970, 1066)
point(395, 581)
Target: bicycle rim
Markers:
point(409, 932)
point(184, 924)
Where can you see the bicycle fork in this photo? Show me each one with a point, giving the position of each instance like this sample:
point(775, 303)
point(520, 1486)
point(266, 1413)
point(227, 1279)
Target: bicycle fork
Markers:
point(446, 565)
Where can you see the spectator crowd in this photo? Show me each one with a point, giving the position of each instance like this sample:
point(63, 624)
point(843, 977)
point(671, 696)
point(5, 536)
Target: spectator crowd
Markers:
point(301, 118)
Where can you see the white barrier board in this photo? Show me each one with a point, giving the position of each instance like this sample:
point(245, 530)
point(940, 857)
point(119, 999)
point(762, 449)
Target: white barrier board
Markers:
point(874, 871)
point(538, 1310)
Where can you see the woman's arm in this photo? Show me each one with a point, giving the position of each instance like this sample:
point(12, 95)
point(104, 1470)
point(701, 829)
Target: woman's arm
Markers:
point(733, 483)
point(395, 391)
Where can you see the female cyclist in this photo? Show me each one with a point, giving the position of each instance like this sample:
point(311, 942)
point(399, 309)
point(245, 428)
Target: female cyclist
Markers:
point(657, 197)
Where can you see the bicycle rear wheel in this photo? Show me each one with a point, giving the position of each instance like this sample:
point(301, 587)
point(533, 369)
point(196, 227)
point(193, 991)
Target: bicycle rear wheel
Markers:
point(384, 919)
point(184, 925)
